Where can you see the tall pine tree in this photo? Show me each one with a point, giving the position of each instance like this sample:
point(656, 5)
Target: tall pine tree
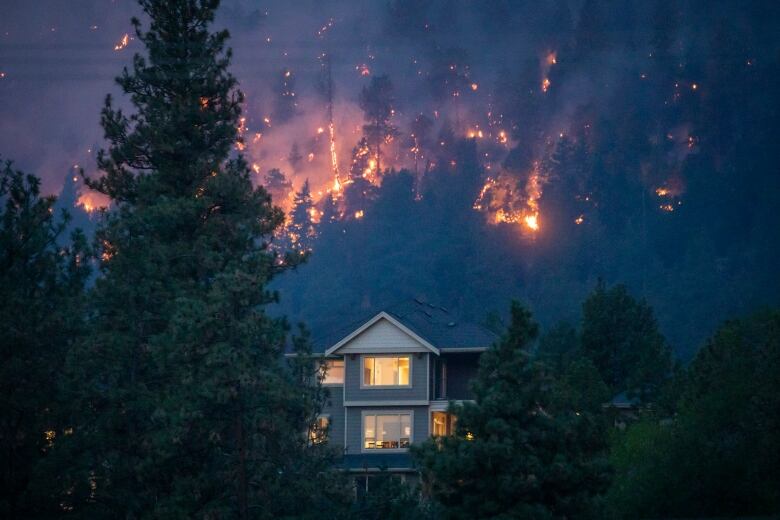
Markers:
point(183, 406)
point(520, 450)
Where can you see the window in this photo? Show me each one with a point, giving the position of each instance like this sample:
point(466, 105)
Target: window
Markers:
point(443, 424)
point(334, 372)
point(387, 431)
point(319, 430)
point(386, 370)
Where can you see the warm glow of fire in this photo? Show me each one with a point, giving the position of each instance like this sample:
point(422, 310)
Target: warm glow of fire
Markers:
point(92, 201)
point(545, 84)
point(123, 42)
point(532, 222)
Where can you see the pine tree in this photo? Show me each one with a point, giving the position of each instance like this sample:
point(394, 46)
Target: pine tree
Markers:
point(376, 101)
point(182, 403)
point(301, 229)
point(620, 335)
point(277, 185)
point(41, 286)
point(519, 451)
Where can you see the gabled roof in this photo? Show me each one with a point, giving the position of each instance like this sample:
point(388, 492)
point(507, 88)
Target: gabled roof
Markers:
point(383, 315)
point(431, 325)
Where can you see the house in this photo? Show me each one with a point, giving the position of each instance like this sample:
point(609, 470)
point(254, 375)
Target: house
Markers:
point(391, 378)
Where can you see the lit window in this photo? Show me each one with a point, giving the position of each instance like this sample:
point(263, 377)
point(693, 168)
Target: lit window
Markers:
point(387, 431)
point(319, 430)
point(334, 372)
point(443, 424)
point(386, 371)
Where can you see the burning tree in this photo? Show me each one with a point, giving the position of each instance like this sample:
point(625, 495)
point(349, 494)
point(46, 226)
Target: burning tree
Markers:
point(180, 404)
point(376, 101)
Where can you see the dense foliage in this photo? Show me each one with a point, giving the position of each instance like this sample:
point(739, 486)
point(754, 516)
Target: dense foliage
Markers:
point(521, 449)
point(41, 283)
point(181, 403)
point(718, 455)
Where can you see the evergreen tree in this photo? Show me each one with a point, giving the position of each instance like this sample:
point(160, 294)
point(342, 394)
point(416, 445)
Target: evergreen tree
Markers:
point(41, 284)
point(389, 498)
point(620, 335)
point(182, 404)
point(277, 185)
point(301, 229)
point(376, 101)
point(718, 455)
point(518, 450)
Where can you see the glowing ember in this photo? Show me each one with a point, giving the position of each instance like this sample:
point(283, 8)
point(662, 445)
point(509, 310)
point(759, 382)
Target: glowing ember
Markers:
point(545, 84)
point(359, 214)
point(532, 222)
point(474, 86)
point(124, 42)
point(579, 220)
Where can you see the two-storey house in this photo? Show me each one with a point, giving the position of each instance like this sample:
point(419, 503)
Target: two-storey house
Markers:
point(390, 381)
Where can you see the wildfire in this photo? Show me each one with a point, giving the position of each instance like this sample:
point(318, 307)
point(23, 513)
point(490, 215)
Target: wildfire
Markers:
point(545, 84)
point(334, 160)
point(123, 42)
point(551, 58)
point(92, 201)
point(363, 69)
point(474, 87)
point(532, 221)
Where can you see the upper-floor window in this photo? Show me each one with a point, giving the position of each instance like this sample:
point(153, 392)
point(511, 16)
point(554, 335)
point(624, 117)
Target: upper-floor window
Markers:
point(386, 370)
point(334, 372)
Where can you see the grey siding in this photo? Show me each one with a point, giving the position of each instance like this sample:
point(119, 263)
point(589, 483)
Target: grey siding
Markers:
point(334, 408)
point(417, 392)
point(355, 424)
point(461, 368)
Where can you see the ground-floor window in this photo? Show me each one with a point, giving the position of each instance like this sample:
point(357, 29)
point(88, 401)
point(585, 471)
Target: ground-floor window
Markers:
point(385, 431)
point(319, 430)
point(442, 424)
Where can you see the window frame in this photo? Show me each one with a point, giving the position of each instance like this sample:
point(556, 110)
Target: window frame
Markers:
point(364, 386)
point(365, 413)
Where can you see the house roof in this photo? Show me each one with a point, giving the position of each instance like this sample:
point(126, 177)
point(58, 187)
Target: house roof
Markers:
point(434, 324)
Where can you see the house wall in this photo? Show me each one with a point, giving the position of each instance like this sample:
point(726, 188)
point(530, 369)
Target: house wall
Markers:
point(355, 425)
point(334, 408)
point(418, 391)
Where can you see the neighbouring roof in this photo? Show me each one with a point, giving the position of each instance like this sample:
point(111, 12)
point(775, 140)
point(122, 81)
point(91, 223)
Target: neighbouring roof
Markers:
point(622, 400)
point(433, 323)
